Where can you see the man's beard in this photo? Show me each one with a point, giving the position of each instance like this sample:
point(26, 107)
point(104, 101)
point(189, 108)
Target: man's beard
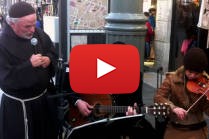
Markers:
point(27, 36)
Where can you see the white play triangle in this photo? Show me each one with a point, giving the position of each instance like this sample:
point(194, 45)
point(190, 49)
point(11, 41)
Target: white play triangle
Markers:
point(103, 68)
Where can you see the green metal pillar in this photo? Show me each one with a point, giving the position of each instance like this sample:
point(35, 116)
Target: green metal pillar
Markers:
point(126, 23)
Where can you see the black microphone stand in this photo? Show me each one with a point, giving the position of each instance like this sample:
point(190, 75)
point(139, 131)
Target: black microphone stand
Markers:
point(63, 105)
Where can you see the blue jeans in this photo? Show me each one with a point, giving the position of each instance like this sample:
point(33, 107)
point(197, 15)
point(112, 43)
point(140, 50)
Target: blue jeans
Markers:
point(147, 49)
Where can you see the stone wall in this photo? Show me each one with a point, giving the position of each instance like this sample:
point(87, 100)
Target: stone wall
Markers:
point(162, 33)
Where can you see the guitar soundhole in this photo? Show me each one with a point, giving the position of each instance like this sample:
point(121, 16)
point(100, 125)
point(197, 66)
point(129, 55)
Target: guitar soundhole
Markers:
point(99, 113)
point(96, 109)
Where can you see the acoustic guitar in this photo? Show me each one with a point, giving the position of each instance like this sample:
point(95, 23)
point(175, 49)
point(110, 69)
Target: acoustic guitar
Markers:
point(103, 108)
point(75, 118)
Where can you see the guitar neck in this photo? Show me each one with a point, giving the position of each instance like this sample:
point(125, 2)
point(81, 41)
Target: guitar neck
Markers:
point(112, 109)
point(156, 109)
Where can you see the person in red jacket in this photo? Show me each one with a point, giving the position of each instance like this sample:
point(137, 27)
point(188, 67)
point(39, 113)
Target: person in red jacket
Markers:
point(148, 37)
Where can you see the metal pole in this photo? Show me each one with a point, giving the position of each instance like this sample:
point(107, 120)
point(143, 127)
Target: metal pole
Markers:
point(62, 12)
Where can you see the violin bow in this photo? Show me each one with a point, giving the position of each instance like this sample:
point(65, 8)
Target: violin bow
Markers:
point(197, 100)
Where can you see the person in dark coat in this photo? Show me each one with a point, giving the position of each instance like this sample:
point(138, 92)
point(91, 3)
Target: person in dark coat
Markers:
point(26, 71)
point(185, 92)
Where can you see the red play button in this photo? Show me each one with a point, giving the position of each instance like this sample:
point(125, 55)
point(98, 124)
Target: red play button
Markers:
point(104, 68)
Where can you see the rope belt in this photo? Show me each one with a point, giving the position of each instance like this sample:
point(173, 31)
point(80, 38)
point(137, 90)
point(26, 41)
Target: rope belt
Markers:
point(24, 108)
point(196, 126)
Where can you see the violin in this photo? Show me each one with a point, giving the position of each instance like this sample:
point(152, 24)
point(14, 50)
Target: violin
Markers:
point(199, 86)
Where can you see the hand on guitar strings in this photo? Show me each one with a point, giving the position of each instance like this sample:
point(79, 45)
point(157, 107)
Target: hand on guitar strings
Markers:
point(131, 110)
point(84, 108)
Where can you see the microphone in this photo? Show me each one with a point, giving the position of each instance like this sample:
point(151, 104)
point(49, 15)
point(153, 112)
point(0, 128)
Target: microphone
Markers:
point(34, 42)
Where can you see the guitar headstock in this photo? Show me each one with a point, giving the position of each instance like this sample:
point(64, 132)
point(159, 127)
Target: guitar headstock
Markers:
point(158, 109)
point(161, 109)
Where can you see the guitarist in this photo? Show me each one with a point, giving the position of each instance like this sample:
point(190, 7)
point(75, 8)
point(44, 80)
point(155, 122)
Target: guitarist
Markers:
point(129, 99)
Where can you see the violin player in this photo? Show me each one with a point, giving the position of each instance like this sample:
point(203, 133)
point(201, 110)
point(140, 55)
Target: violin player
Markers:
point(187, 108)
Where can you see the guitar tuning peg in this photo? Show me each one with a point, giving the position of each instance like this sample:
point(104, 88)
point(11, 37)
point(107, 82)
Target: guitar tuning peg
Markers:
point(168, 111)
point(156, 104)
point(164, 113)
